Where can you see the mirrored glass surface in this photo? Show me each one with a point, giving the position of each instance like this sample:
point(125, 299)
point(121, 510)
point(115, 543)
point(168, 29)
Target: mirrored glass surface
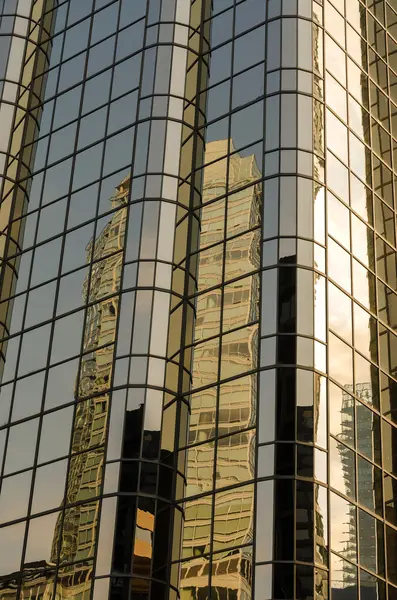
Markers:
point(329, 116)
point(342, 468)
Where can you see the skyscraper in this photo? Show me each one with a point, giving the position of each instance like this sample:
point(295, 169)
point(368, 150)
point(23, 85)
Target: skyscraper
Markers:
point(198, 279)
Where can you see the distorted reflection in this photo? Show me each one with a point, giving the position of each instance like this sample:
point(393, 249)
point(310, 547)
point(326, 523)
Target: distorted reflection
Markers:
point(371, 543)
point(343, 527)
point(355, 428)
point(224, 521)
point(321, 525)
point(343, 578)
point(68, 537)
point(355, 425)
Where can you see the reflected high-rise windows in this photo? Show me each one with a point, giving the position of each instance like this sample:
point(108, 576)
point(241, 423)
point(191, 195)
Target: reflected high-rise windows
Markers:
point(198, 300)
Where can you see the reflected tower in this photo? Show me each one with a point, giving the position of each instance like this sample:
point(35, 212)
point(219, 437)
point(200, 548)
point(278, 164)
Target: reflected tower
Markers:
point(222, 423)
point(200, 404)
point(76, 529)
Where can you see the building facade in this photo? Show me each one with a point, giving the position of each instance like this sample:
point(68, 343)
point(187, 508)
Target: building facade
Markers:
point(198, 309)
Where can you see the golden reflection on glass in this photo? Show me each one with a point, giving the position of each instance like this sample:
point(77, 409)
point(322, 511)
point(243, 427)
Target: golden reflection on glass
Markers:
point(342, 468)
point(339, 265)
point(362, 242)
point(340, 361)
point(321, 524)
point(200, 472)
point(143, 538)
point(231, 459)
point(222, 523)
point(343, 576)
point(209, 306)
point(69, 536)
point(319, 213)
point(75, 582)
point(90, 421)
point(239, 352)
point(233, 518)
point(363, 285)
point(360, 199)
point(29, 47)
point(210, 267)
point(343, 527)
point(340, 313)
point(338, 220)
point(342, 414)
point(321, 409)
point(206, 356)
point(237, 410)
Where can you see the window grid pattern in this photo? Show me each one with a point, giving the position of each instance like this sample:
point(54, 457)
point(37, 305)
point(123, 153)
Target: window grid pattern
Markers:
point(350, 310)
point(103, 209)
point(197, 299)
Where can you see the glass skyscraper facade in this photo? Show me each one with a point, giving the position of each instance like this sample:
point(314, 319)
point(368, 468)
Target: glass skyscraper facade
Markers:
point(198, 309)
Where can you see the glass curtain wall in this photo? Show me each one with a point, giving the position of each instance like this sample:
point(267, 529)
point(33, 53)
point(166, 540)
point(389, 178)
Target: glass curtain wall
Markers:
point(290, 451)
point(198, 299)
point(98, 110)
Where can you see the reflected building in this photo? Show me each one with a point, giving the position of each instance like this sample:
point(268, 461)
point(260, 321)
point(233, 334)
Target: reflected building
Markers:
point(201, 403)
point(75, 532)
point(357, 422)
point(229, 412)
point(349, 548)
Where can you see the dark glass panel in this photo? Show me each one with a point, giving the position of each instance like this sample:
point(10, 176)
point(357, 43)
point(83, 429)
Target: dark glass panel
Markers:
point(304, 581)
point(286, 349)
point(304, 521)
point(129, 476)
point(124, 535)
point(286, 391)
point(304, 462)
point(284, 520)
point(287, 300)
point(391, 549)
point(285, 459)
point(390, 492)
point(283, 581)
